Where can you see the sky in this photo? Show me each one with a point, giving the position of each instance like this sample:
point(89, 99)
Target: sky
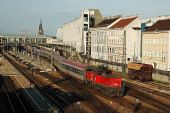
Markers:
point(23, 16)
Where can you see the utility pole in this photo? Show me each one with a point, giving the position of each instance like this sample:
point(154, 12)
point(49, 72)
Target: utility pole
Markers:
point(51, 58)
point(31, 52)
point(83, 51)
point(16, 50)
point(3, 46)
point(124, 54)
point(70, 50)
point(7, 44)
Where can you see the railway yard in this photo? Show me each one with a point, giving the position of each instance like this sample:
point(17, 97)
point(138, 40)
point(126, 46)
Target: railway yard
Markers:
point(26, 87)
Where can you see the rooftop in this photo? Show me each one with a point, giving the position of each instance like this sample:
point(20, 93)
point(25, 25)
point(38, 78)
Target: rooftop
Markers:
point(123, 22)
point(106, 22)
point(160, 25)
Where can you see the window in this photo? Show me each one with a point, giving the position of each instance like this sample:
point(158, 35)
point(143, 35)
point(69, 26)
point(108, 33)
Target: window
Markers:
point(154, 41)
point(146, 41)
point(108, 50)
point(150, 41)
point(144, 52)
point(161, 41)
point(164, 41)
point(158, 41)
point(157, 54)
point(113, 50)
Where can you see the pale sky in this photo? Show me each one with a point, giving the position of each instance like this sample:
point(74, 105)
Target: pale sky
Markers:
point(17, 16)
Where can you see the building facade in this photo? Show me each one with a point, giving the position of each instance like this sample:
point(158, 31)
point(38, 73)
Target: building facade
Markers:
point(74, 33)
point(156, 45)
point(117, 42)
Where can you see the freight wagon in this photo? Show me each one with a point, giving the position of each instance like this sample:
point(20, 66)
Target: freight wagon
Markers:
point(140, 71)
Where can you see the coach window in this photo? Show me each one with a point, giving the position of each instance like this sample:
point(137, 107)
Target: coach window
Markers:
point(77, 71)
point(81, 72)
point(73, 69)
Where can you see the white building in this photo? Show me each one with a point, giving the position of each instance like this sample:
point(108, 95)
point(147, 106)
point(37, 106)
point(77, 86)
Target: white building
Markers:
point(156, 45)
point(74, 33)
point(117, 40)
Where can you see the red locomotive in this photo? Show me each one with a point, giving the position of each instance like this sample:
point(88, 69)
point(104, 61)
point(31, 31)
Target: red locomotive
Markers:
point(104, 80)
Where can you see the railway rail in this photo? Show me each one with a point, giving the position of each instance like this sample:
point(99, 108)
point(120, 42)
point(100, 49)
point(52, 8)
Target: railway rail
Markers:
point(151, 87)
point(163, 88)
point(148, 95)
point(54, 96)
point(15, 101)
point(38, 102)
point(31, 93)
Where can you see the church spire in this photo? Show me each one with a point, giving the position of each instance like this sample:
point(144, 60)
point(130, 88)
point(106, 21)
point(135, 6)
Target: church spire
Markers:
point(40, 30)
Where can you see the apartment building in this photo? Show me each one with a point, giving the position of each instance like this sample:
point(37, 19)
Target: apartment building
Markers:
point(74, 33)
point(156, 45)
point(117, 39)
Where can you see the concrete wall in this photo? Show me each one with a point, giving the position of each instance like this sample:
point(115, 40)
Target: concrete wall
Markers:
point(161, 78)
point(133, 40)
point(72, 33)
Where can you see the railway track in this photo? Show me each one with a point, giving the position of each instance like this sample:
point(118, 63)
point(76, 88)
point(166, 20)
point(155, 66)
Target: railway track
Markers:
point(21, 80)
point(147, 101)
point(162, 87)
point(54, 96)
point(39, 103)
point(13, 97)
point(122, 100)
point(151, 87)
point(131, 104)
point(148, 95)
